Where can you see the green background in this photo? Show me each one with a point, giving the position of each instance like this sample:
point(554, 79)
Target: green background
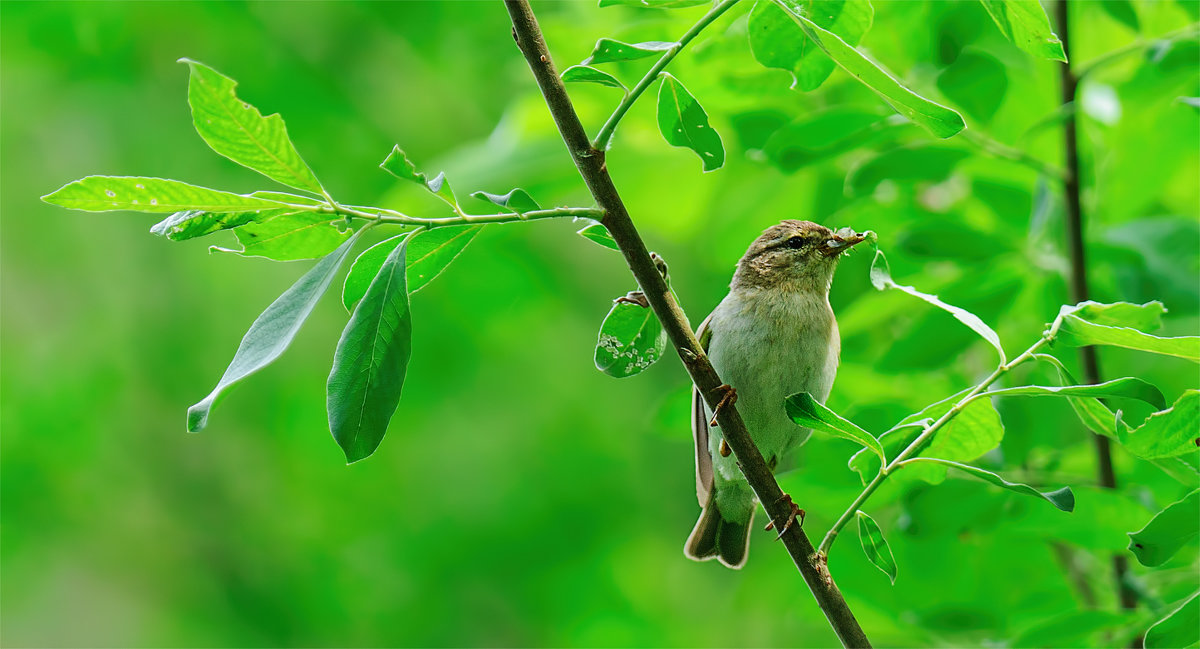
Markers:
point(521, 497)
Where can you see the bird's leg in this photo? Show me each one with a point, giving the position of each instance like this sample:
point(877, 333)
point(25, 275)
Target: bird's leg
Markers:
point(728, 397)
point(791, 519)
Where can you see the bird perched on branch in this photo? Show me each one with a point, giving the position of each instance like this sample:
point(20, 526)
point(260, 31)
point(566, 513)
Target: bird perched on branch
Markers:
point(774, 335)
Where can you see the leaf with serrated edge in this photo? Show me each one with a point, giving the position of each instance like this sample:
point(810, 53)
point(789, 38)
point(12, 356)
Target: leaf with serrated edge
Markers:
point(1170, 529)
point(683, 123)
point(608, 50)
point(371, 361)
point(596, 232)
point(588, 74)
point(398, 164)
point(152, 195)
point(631, 339)
point(935, 118)
point(1167, 433)
point(517, 200)
point(805, 411)
point(881, 279)
point(1063, 499)
point(273, 331)
point(236, 130)
point(878, 552)
point(1024, 22)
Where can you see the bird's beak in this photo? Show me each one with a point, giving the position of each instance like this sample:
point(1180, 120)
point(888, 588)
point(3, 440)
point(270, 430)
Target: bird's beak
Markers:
point(841, 241)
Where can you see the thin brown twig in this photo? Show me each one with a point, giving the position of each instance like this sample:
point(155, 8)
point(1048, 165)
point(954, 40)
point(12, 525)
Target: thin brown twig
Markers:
point(591, 165)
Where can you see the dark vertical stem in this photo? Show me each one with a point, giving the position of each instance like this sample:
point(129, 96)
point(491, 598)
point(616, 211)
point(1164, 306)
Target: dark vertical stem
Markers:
point(590, 163)
point(1079, 286)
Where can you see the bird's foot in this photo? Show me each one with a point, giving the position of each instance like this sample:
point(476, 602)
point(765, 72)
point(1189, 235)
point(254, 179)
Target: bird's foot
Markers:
point(728, 397)
point(791, 518)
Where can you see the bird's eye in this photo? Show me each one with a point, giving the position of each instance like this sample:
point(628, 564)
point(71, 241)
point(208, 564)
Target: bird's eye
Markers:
point(795, 243)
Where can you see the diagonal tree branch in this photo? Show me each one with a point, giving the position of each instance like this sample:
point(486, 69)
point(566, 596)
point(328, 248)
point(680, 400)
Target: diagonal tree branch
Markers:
point(590, 163)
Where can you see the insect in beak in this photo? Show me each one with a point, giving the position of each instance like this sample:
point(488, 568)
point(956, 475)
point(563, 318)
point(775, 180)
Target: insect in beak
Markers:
point(841, 241)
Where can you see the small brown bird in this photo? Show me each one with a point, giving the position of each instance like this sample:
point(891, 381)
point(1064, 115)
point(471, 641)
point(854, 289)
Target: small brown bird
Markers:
point(772, 336)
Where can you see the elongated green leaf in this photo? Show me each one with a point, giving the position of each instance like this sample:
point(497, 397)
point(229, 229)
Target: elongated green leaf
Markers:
point(290, 236)
point(1024, 22)
point(878, 552)
point(191, 224)
point(904, 164)
point(608, 50)
point(1063, 499)
point(236, 130)
point(937, 119)
point(370, 362)
point(631, 339)
point(881, 278)
point(429, 253)
point(1128, 387)
point(654, 4)
point(517, 200)
point(778, 42)
point(1094, 414)
point(598, 233)
point(684, 123)
point(1181, 628)
point(1169, 530)
point(588, 74)
point(154, 195)
point(805, 411)
point(1168, 433)
point(1089, 323)
point(398, 164)
point(825, 134)
point(273, 331)
point(285, 197)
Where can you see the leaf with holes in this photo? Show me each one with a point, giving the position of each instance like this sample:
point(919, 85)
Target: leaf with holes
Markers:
point(153, 195)
point(684, 123)
point(371, 361)
point(236, 130)
point(273, 331)
point(631, 339)
point(875, 546)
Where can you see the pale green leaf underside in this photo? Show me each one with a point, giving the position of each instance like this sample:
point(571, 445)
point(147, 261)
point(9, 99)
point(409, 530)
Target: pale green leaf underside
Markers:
point(588, 74)
point(152, 195)
point(236, 130)
point(805, 411)
point(291, 236)
point(273, 331)
point(596, 232)
point(1170, 529)
point(1063, 499)
point(683, 122)
point(878, 552)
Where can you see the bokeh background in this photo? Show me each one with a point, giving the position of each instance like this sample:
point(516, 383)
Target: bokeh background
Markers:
point(521, 497)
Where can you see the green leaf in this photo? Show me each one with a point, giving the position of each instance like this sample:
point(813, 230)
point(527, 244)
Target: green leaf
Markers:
point(807, 412)
point(1090, 323)
point(192, 223)
point(1181, 628)
point(904, 165)
point(1122, 11)
point(273, 331)
point(236, 130)
point(975, 82)
point(631, 339)
point(398, 164)
point(370, 362)
point(429, 253)
point(1167, 433)
point(937, 119)
point(1024, 22)
point(517, 200)
point(778, 42)
point(290, 236)
point(598, 233)
point(823, 135)
point(878, 552)
point(881, 278)
point(1063, 499)
point(1128, 387)
point(654, 4)
point(588, 74)
point(1169, 530)
point(1094, 414)
point(608, 50)
point(684, 123)
point(154, 195)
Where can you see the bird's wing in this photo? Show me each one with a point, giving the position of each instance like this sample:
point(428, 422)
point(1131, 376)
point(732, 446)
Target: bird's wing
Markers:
point(704, 465)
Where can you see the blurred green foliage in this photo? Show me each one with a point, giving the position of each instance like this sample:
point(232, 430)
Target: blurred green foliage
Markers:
point(521, 497)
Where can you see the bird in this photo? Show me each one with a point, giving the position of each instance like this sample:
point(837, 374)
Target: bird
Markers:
point(772, 336)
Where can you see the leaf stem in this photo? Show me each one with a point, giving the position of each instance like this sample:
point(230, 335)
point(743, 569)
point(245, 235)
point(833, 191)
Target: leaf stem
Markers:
point(604, 136)
point(1141, 43)
point(1001, 150)
point(382, 215)
point(922, 440)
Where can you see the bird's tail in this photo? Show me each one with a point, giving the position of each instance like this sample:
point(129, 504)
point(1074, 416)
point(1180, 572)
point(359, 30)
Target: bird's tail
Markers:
point(714, 537)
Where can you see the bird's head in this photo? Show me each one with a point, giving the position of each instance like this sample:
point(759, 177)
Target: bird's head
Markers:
point(794, 256)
